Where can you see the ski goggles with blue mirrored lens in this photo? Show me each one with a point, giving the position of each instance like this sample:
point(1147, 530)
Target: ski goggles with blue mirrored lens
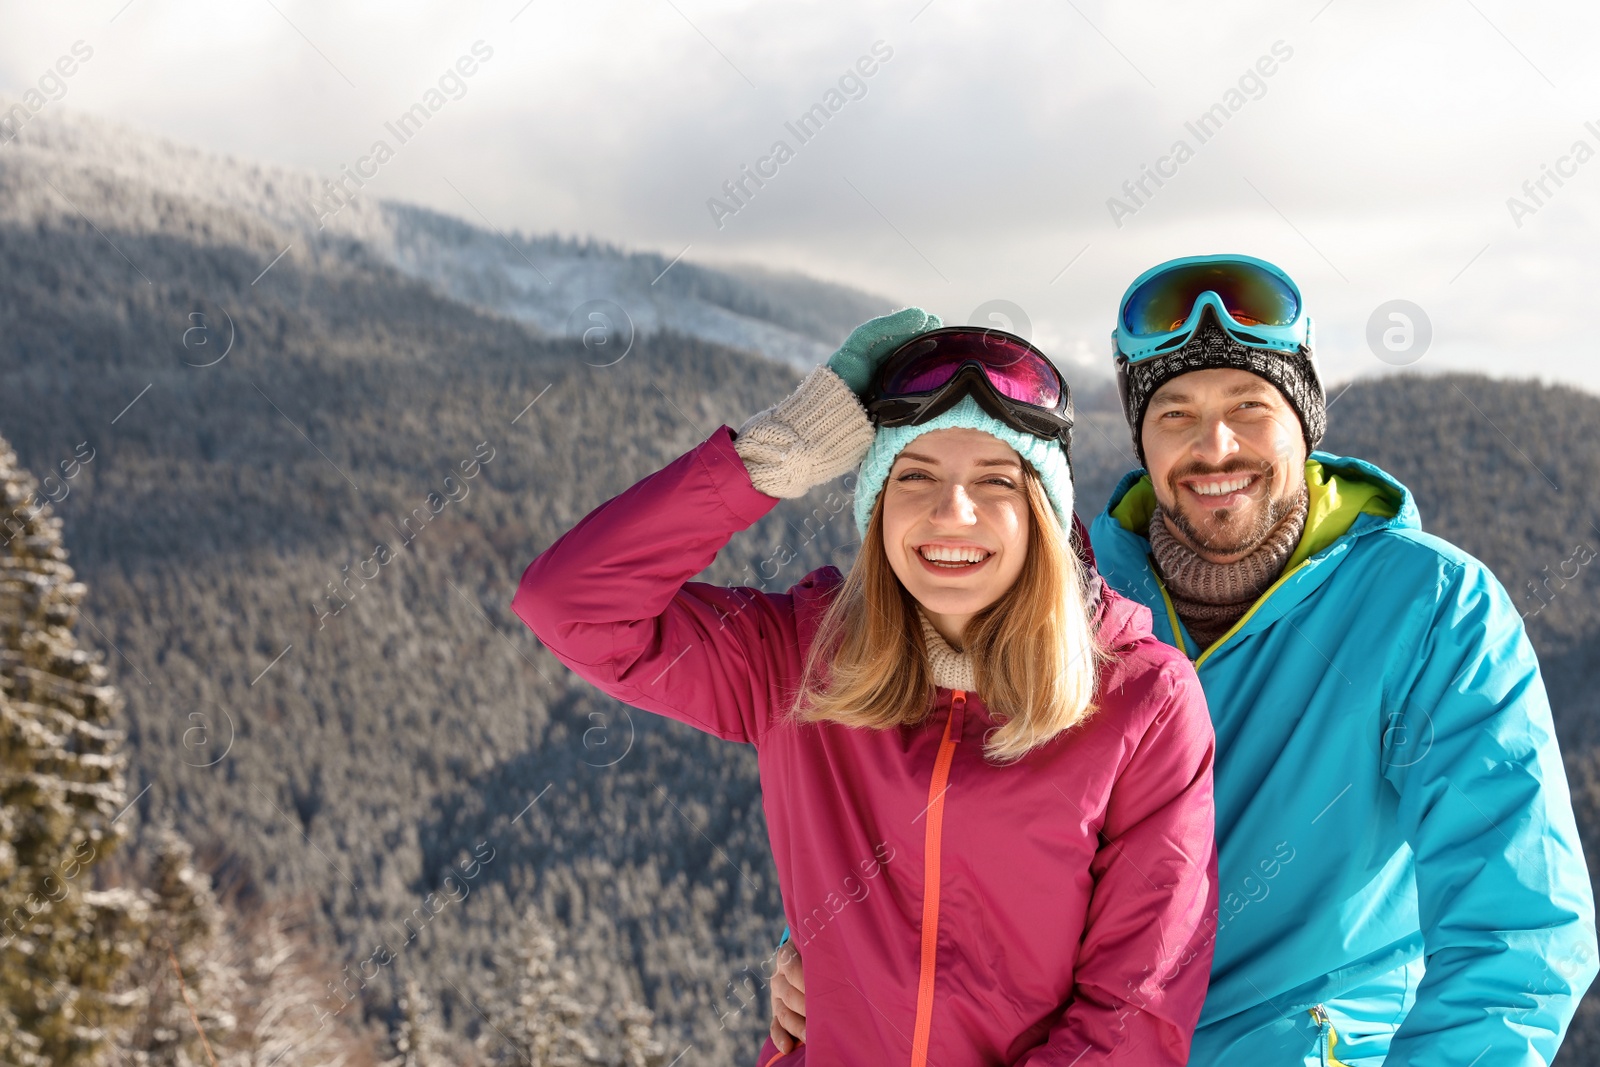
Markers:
point(1252, 301)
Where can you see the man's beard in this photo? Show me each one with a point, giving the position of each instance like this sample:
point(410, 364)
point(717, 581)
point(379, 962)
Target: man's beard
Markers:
point(1233, 534)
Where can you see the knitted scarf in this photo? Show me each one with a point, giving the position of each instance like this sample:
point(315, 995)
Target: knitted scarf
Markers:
point(950, 668)
point(1211, 597)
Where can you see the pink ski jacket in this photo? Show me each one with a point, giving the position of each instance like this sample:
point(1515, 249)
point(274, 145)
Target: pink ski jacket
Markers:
point(949, 912)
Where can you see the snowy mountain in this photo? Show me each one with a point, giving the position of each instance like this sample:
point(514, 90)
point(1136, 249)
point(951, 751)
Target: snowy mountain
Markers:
point(560, 287)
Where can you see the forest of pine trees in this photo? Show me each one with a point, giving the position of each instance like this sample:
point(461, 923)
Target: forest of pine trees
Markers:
point(106, 958)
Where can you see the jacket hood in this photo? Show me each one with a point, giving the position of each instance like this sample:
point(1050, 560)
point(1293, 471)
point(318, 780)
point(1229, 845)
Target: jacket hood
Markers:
point(1348, 499)
point(1116, 619)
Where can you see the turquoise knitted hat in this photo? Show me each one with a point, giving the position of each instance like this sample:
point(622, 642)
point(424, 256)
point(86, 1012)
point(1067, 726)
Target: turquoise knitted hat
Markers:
point(1047, 457)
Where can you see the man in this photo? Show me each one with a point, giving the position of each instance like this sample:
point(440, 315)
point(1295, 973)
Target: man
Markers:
point(1401, 881)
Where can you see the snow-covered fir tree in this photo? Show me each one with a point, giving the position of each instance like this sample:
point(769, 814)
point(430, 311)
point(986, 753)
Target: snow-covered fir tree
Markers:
point(64, 944)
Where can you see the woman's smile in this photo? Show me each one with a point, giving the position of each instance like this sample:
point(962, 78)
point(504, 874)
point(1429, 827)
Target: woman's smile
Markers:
point(949, 559)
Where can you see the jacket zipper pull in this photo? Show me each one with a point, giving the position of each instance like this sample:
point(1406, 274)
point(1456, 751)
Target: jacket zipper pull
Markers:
point(1327, 1035)
point(958, 707)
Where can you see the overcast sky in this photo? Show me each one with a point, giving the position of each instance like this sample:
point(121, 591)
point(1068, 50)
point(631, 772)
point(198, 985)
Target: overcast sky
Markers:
point(975, 163)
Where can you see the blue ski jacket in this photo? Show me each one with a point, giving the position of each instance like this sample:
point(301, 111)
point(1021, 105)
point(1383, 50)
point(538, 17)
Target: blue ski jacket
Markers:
point(1400, 877)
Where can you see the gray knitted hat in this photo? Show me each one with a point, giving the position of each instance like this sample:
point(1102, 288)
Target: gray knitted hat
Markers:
point(1295, 375)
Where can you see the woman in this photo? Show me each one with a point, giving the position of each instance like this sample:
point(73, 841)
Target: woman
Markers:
point(987, 786)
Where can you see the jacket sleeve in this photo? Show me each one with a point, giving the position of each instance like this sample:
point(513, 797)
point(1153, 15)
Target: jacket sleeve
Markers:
point(1503, 892)
point(1145, 963)
point(611, 598)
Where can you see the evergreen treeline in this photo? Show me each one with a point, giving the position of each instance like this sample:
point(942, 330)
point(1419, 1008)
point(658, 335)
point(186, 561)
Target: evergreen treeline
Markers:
point(107, 958)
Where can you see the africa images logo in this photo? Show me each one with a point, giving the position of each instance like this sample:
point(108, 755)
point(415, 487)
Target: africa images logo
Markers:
point(1251, 85)
point(852, 85)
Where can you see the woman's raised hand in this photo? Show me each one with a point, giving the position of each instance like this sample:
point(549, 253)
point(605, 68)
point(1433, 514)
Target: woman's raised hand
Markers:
point(821, 430)
point(858, 358)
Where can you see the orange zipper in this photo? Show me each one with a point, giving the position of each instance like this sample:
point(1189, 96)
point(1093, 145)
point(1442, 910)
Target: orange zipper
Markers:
point(930, 878)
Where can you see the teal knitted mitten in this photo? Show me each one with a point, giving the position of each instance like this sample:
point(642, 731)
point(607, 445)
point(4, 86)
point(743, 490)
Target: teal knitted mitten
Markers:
point(858, 358)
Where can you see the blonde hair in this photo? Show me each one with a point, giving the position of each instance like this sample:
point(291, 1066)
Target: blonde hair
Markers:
point(1035, 656)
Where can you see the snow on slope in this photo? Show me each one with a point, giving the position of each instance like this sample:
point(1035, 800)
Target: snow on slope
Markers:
point(122, 180)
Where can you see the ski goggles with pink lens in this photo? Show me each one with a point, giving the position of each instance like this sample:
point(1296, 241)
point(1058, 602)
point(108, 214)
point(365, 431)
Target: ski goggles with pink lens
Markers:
point(1007, 376)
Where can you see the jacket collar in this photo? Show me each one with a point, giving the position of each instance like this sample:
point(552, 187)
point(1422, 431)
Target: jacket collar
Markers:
point(1349, 499)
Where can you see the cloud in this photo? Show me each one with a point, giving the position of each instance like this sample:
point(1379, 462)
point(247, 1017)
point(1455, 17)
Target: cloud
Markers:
point(1374, 166)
